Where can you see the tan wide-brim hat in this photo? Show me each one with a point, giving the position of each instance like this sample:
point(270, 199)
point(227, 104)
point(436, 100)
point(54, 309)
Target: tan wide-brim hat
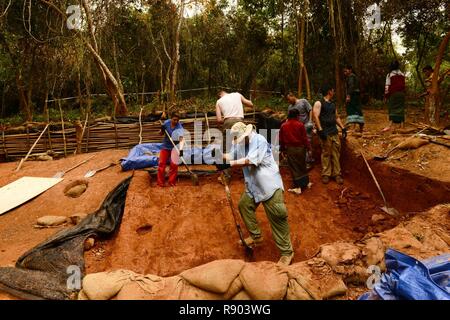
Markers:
point(240, 130)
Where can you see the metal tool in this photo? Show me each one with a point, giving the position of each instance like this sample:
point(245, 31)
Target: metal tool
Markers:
point(61, 174)
point(386, 208)
point(92, 173)
point(248, 249)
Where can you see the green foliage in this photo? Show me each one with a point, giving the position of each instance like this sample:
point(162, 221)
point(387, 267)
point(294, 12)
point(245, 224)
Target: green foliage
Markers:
point(250, 46)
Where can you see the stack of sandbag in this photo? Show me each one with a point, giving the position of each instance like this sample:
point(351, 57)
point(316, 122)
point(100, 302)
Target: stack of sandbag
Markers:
point(219, 280)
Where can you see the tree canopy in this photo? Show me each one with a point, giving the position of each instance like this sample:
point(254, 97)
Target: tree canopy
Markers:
point(136, 46)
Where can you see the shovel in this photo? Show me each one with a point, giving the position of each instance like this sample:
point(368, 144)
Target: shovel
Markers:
point(61, 174)
point(92, 173)
point(386, 208)
point(248, 249)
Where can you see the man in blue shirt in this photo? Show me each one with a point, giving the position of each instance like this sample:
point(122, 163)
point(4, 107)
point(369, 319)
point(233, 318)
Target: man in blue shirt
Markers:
point(263, 184)
point(174, 128)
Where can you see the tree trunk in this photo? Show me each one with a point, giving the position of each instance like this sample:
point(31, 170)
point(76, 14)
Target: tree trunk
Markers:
point(176, 58)
point(23, 97)
point(337, 72)
point(435, 101)
point(303, 72)
point(111, 83)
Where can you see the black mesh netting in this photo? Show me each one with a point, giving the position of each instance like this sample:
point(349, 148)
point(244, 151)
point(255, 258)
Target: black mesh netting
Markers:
point(44, 271)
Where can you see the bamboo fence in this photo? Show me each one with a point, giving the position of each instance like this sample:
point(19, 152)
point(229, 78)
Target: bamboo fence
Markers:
point(64, 139)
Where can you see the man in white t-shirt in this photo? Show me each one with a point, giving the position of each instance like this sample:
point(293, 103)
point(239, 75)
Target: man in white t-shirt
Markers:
point(230, 110)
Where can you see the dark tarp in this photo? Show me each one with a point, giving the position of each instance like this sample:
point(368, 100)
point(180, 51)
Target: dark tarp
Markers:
point(43, 272)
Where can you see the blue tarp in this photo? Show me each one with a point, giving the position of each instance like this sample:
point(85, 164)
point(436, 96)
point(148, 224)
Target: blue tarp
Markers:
point(147, 156)
point(410, 279)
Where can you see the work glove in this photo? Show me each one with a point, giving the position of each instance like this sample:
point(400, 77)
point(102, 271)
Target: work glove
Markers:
point(322, 135)
point(222, 167)
point(344, 133)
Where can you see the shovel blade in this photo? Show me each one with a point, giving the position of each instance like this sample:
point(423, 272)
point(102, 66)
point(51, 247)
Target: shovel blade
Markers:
point(391, 211)
point(58, 175)
point(194, 179)
point(89, 174)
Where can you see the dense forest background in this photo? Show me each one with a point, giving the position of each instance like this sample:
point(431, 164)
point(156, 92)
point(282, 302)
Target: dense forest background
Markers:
point(122, 49)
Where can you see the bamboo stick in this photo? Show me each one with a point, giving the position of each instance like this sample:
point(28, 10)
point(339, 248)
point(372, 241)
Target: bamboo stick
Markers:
point(31, 149)
point(82, 133)
point(63, 130)
point(140, 125)
point(4, 144)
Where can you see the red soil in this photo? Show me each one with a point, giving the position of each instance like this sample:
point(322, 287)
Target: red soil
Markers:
point(187, 226)
point(166, 231)
point(17, 234)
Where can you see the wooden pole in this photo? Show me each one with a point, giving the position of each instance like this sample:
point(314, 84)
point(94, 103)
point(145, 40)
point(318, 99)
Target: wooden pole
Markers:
point(49, 138)
point(4, 143)
point(63, 130)
point(31, 149)
point(82, 133)
point(140, 126)
point(88, 134)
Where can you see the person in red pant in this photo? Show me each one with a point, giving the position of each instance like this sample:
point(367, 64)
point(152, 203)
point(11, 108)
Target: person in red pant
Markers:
point(173, 128)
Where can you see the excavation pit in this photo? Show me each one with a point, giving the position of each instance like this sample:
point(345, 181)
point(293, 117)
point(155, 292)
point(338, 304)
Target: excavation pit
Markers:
point(193, 225)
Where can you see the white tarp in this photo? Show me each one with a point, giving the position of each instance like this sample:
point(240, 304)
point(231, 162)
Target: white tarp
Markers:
point(23, 190)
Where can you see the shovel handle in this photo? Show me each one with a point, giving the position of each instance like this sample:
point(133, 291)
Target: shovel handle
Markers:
point(105, 167)
point(79, 164)
point(374, 178)
point(233, 212)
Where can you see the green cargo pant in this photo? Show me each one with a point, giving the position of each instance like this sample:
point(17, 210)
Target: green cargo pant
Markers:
point(276, 213)
point(331, 153)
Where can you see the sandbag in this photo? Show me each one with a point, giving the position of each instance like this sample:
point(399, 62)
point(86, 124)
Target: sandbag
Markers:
point(414, 143)
point(373, 251)
point(104, 285)
point(215, 276)
point(190, 292)
point(82, 295)
point(401, 239)
point(171, 289)
point(264, 281)
point(132, 291)
point(339, 253)
point(76, 191)
point(333, 286)
point(296, 291)
point(51, 221)
point(242, 295)
point(301, 285)
point(313, 280)
point(235, 287)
